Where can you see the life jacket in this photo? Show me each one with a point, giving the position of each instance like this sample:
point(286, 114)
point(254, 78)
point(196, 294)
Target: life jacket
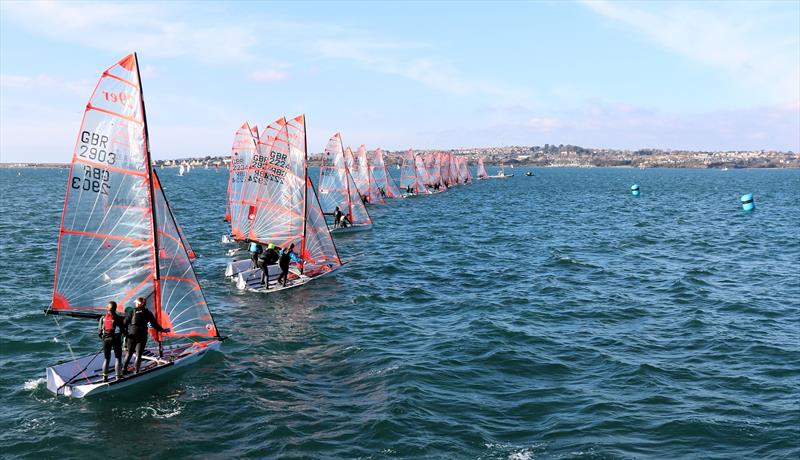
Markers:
point(110, 328)
point(138, 324)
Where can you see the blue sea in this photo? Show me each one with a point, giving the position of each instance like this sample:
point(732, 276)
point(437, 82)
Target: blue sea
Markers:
point(546, 317)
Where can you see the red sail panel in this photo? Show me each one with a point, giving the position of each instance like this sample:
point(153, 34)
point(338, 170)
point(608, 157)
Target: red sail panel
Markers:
point(336, 186)
point(106, 247)
point(422, 176)
point(381, 178)
point(183, 307)
point(245, 147)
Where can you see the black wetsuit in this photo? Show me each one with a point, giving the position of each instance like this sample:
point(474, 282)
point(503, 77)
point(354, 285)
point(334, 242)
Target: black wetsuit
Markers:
point(337, 216)
point(136, 326)
point(112, 340)
point(283, 263)
point(267, 258)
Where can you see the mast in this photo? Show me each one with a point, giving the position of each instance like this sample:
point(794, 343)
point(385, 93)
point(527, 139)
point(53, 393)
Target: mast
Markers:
point(305, 188)
point(156, 281)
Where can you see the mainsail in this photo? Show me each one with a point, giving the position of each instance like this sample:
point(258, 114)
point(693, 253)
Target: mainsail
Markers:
point(410, 180)
point(131, 247)
point(245, 147)
point(336, 185)
point(365, 181)
point(381, 176)
point(481, 169)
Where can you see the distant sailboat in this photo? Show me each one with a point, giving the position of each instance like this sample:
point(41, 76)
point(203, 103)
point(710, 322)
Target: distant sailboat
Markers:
point(119, 241)
point(501, 174)
point(337, 189)
point(181, 170)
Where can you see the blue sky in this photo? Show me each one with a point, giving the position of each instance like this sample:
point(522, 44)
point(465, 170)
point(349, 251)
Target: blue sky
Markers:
point(698, 75)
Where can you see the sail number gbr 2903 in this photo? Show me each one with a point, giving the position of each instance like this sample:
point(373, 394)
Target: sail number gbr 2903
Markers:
point(94, 147)
point(93, 179)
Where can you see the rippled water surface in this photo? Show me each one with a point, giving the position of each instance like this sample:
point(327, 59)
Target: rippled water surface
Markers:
point(553, 316)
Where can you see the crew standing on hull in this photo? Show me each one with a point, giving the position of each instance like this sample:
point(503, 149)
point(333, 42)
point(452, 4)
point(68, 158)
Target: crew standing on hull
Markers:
point(136, 327)
point(109, 328)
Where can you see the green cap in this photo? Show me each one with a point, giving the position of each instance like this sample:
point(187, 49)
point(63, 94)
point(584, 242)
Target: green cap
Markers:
point(271, 246)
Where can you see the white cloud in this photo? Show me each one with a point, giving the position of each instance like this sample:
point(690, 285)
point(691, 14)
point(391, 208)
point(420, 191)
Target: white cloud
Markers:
point(739, 43)
point(388, 57)
point(42, 81)
point(268, 75)
point(124, 27)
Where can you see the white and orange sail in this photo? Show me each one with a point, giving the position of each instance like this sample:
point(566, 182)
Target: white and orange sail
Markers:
point(245, 147)
point(363, 177)
point(336, 185)
point(411, 179)
point(482, 174)
point(382, 179)
point(132, 247)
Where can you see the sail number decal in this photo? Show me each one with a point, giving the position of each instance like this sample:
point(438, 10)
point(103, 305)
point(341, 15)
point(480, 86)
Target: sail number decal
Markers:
point(93, 180)
point(94, 147)
point(273, 172)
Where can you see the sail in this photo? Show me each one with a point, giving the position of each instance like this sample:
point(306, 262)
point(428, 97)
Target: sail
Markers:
point(410, 178)
point(481, 169)
point(317, 248)
point(184, 242)
point(336, 186)
point(183, 307)
point(274, 189)
point(243, 150)
point(381, 177)
point(105, 245)
point(422, 175)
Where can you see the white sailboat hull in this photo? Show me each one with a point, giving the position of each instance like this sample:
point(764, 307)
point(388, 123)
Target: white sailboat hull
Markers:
point(351, 229)
point(83, 377)
point(251, 280)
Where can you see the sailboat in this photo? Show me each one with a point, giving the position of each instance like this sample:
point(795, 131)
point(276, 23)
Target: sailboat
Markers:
point(381, 178)
point(245, 147)
point(181, 170)
point(284, 209)
point(411, 181)
point(118, 240)
point(337, 189)
point(365, 180)
point(482, 174)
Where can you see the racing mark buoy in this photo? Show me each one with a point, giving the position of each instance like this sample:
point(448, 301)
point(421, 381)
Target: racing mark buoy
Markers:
point(747, 202)
point(635, 189)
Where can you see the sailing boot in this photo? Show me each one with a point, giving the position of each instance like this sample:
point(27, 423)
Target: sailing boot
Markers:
point(105, 377)
point(117, 370)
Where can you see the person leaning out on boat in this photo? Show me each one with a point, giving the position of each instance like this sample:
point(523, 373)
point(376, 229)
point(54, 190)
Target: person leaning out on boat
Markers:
point(265, 259)
point(287, 256)
point(109, 328)
point(136, 328)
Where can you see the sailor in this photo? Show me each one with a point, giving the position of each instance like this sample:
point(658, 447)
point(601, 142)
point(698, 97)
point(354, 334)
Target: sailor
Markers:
point(382, 191)
point(255, 250)
point(136, 327)
point(287, 256)
point(265, 259)
point(365, 199)
point(337, 216)
point(344, 221)
point(109, 328)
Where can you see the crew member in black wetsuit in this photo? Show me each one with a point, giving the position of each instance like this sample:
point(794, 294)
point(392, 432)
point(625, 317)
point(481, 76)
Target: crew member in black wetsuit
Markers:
point(337, 215)
point(287, 256)
point(267, 258)
point(382, 192)
point(109, 328)
point(136, 326)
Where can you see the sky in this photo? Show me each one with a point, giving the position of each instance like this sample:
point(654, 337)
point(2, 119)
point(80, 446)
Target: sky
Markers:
point(397, 75)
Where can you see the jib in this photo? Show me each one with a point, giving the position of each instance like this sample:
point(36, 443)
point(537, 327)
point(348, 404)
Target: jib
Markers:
point(94, 139)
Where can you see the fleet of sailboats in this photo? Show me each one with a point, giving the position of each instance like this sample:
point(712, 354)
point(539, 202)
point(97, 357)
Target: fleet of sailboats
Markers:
point(119, 239)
